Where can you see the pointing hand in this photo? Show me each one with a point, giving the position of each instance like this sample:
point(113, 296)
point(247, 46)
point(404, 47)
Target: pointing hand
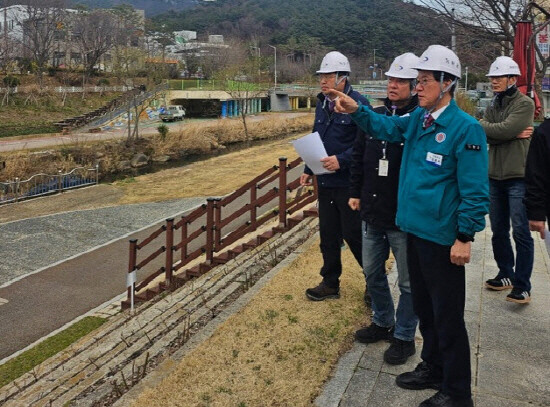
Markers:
point(344, 104)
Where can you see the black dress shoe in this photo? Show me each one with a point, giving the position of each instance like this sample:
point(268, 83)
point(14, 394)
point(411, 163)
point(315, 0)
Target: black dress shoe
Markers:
point(424, 376)
point(442, 400)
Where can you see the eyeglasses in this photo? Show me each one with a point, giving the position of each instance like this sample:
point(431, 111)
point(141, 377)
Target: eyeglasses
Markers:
point(424, 81)
point(326, 76)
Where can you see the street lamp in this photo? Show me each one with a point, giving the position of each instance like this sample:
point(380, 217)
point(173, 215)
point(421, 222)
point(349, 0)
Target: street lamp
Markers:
point(275, 54)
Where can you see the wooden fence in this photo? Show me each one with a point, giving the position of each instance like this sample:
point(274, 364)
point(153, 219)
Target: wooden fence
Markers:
point(214, 226)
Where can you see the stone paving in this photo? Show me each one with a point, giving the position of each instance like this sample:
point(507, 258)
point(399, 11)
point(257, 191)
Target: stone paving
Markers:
point(510, 346)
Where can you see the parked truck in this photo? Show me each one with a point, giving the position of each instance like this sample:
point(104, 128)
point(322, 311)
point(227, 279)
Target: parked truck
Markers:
point(172, 113)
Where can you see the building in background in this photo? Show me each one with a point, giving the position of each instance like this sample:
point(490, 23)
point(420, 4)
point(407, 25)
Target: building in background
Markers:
point(59, 34)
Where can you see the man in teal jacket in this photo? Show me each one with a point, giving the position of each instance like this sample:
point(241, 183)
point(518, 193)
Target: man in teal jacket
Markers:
point(443, 198)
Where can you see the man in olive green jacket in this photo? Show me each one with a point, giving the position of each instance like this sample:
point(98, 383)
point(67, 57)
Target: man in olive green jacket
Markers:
point(508, 126)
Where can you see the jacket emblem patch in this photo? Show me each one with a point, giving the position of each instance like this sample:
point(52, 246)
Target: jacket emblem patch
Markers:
point(474, 147)
point(440, 137)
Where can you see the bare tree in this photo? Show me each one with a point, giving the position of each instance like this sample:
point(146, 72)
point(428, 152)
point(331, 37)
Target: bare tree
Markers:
point(6, 52)
point(243, 83)
point(494, 19)
point(6, 43)
point(42, 22)
point(93, 33)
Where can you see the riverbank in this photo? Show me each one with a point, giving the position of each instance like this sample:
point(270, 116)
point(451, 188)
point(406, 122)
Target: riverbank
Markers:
point(212, 176)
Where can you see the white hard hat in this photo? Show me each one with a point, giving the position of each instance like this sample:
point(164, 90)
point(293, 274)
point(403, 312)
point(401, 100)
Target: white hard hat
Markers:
point(439, 58)
point(403, 66)
point(504, 66)
point(334, 61)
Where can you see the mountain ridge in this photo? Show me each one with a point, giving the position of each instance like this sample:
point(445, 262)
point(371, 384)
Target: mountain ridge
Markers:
point(151, 7)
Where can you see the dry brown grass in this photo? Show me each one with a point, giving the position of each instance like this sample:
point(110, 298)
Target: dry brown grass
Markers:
point(197, 138)
point(277, 351)
point(213, 177)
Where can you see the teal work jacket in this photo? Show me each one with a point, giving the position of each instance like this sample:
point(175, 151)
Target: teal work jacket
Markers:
point(443, 181)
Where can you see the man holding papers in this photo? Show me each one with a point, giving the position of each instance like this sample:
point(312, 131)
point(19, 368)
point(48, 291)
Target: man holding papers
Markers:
point(337, 132)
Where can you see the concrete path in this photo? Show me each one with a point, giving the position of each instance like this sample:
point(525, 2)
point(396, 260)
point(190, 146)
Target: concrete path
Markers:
point(510, 347)
point(31, 244)
point(89, 252)
point(147, 128)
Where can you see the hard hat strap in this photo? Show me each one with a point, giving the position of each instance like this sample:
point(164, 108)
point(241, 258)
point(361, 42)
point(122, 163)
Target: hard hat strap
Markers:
point(413, 87)
point(339, 79)
point(442, 90)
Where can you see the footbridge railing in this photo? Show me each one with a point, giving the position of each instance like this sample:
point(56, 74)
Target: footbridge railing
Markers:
point(212, 229)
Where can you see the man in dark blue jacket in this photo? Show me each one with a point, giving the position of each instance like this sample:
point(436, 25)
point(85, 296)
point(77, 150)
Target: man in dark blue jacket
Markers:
point(374, 182)
point(337, 221)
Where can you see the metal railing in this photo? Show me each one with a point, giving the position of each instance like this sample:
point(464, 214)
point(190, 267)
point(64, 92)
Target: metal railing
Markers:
point(213, 84)
point(46, 184)
point(217, 224)
point(122, 106)
point(68, 89)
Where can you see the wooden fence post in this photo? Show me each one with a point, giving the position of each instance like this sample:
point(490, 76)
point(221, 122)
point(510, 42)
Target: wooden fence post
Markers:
point(282, 191)
point(169, 264)
point(253, 207)
point(217, 224)
point(209, 230)
point(183, 239)
point(315, 186)
point(132, 263)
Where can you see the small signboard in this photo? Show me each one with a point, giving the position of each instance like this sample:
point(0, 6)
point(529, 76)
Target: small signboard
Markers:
point(543, 41)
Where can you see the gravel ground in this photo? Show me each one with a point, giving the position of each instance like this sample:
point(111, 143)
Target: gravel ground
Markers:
point(31, 244)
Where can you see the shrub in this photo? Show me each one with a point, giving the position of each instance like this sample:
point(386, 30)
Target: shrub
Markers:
point(163, 131)
point(11, 81)
point(465, 103)
point(103, 82)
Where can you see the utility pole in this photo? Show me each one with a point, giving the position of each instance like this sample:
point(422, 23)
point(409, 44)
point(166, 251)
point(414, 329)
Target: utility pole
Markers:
point(275, 54)
point(466, 81)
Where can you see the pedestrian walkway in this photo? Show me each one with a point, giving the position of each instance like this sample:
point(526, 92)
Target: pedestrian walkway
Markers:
point(510, 346)
point(35, 243)
point(57, 268)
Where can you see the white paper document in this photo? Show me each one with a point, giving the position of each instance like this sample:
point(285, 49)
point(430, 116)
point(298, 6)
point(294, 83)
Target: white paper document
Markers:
point(311, 149)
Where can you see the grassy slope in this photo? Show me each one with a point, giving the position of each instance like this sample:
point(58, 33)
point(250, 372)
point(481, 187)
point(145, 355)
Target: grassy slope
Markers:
point(26, 361)
point(35, 118)
point(277, 351)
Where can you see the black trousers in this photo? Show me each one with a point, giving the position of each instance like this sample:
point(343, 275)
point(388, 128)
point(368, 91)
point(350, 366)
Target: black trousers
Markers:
point(337, 222)
point(438, 292)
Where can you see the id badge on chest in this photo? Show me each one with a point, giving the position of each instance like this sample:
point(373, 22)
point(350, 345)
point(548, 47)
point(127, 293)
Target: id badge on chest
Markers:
point(382, 167)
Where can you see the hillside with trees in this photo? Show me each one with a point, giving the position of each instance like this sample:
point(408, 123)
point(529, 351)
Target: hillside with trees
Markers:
point(354, 27)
